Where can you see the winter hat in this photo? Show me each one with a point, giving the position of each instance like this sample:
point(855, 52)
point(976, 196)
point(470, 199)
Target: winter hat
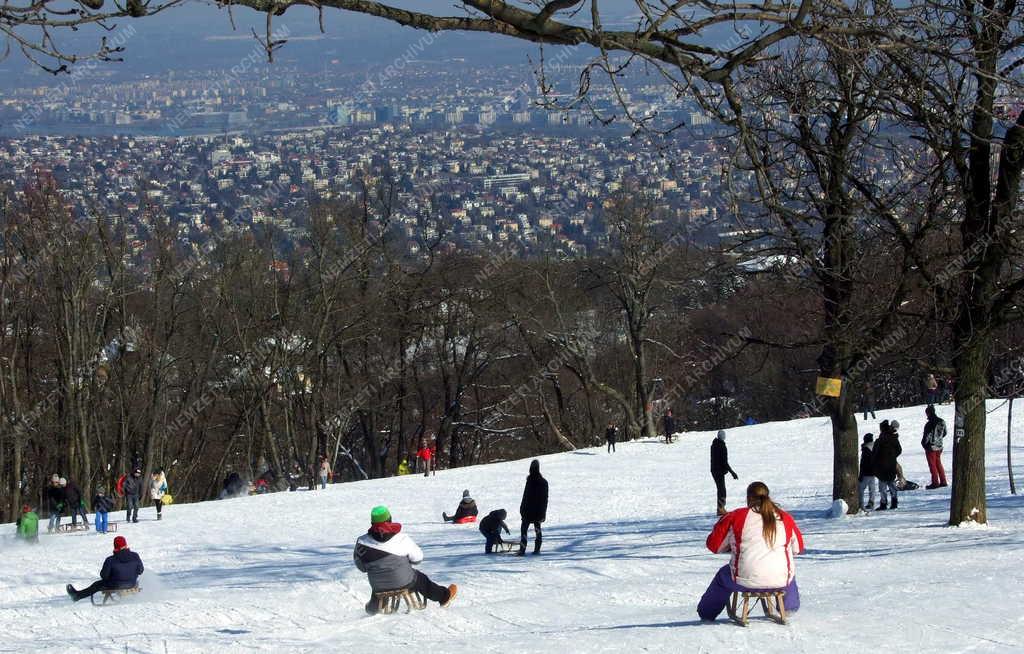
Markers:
point(120, 544)
point(63, 482)
point(100, 491)
point(869, 437)
point(894, 425)
point(465, 493)
point(930, 411)
point(26, 509)
point(721, 435)
point(55, 478)
point(380, 514)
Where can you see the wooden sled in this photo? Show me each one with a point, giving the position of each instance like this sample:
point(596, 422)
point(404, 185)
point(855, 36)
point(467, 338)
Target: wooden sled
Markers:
point(389, 601)
point(506, 547)
point(69, 528)
point(771, 603)
point(113, 596)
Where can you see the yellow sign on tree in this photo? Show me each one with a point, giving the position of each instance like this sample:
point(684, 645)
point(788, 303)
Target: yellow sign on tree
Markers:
point(829, 387)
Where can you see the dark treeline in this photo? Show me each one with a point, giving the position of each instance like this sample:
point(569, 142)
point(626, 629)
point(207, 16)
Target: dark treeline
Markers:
point(234, 356)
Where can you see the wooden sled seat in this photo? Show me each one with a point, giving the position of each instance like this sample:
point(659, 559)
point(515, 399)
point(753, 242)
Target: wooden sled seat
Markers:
point(506, 547)
point(390, 601)
point(69, 527)
point(115, 595)
point(771, 603)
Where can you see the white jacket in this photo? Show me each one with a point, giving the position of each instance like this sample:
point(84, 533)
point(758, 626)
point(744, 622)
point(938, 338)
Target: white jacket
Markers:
point(755, 564)
point(158, 487)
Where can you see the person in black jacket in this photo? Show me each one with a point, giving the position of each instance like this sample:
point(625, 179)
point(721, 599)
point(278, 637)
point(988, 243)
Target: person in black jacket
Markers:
point(491, 527)
point(465, 510)
point(719, 468)
point(867, 480)
point(54, 502)
point(534, 507)
point(670, 425)
point(120, 571)
point(101, 506)
point(887, 450)
point(132, 493)
point(610, 435)
point(73, 501)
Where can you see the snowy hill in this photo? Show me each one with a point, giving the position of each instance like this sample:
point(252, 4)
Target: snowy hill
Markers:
point(623, 565)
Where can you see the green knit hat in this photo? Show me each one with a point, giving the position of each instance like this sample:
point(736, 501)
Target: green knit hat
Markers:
point(380, 514)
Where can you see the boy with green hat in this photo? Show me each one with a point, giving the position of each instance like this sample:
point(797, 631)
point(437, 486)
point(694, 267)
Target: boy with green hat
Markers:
point(387, 555)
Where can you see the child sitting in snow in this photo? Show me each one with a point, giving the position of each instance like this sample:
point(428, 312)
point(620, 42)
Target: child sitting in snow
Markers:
point(491, 527)
point(465, 512)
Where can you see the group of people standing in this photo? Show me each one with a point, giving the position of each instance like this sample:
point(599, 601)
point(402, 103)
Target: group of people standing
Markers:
point(64, 496)
point(880, 468)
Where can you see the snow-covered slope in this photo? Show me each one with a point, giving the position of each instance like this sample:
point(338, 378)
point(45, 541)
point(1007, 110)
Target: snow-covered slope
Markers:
point(623, 565)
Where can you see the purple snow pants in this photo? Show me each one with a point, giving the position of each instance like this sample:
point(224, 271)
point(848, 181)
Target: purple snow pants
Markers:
point(717, 595)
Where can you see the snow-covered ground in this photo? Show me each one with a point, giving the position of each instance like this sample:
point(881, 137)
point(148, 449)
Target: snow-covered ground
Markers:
point(622, 569)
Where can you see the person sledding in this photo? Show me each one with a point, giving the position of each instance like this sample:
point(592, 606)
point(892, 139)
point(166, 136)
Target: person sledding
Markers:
point(465, 512)
point(387, 556)
point(27, 525)
point(762, 540)
point(120, 571)
point(491, 527)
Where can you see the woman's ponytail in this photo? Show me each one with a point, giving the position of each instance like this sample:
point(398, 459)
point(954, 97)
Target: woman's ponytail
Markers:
point(758, 499)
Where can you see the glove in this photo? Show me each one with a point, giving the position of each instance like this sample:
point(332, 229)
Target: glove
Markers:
point(735, 476)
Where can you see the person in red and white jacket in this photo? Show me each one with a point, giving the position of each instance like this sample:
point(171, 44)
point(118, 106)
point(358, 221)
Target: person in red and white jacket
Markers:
point(762, 540)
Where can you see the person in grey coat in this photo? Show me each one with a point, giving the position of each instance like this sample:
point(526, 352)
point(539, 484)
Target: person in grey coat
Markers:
point(387, 555)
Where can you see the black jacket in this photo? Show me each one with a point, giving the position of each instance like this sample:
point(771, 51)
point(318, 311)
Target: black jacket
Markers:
point(466, 507)
point(867, 454)
point(887, 448)
point(720, 458)
point(54, 498)
point(534, 507)
point(132, 486)
point(101, 503)
point(669, 423)
point(610, 434)
point(494, 522)
point(122, 570)
point(72, 496)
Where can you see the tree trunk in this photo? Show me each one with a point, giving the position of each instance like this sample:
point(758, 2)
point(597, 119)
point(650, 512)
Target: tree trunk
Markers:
point(845, 449)
point(968, 501)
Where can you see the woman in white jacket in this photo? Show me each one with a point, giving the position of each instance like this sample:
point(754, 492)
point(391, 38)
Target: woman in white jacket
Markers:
point(761, 553)
point(157, 490)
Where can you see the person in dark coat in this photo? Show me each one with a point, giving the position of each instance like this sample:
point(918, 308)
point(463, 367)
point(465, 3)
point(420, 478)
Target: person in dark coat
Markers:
point(887, 450)
point(868, 402)
point(720, 467)
point(866, 480)
point(610, 436)
point(120, 571)
point(54, 502)
point(132, 493)
point(73, 501)
point(491, 527)
point(669, 423)
point(101, 506)
point(466, 511)
point(534, 507)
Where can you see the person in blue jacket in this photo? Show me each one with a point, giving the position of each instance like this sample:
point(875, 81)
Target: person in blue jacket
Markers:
point(120, 570)
point(101, 506)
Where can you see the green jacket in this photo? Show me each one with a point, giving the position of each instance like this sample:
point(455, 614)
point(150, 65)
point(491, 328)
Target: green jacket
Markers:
point(28, 525)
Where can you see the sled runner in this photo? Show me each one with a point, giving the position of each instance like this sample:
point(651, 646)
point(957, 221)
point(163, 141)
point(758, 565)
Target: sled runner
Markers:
point(506, 547)
point(114, 596)
point(390, 601)
point(771, 603)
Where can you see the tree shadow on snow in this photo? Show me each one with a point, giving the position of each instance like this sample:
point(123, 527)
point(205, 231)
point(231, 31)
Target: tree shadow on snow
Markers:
point(658, 625)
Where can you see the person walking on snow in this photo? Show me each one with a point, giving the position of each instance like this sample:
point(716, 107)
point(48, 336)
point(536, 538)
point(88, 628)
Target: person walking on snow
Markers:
point(54, 503)
point(132, 493)
point(934, 434)
point(491, 527)
point(868, 402)
point(931, 386)
point(610, 435)
point(866, 480)
point(425, 454)
point(887, 450)
point(763, 541)
point(102, 506)
point(27, 525)
point(719, 467)
point(465, 512)
point(534, 507)
point(120, 571)
point(157, 490)
point(325, 472)
point(387, 556)
point(669, 423)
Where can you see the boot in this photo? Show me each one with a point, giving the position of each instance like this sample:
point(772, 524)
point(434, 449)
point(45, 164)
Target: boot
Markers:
point(453, 590)
point(931, 486)
point(72, 593)
point(882, 507)
point(895, 503)
point(536, 546)
point(159, 516)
